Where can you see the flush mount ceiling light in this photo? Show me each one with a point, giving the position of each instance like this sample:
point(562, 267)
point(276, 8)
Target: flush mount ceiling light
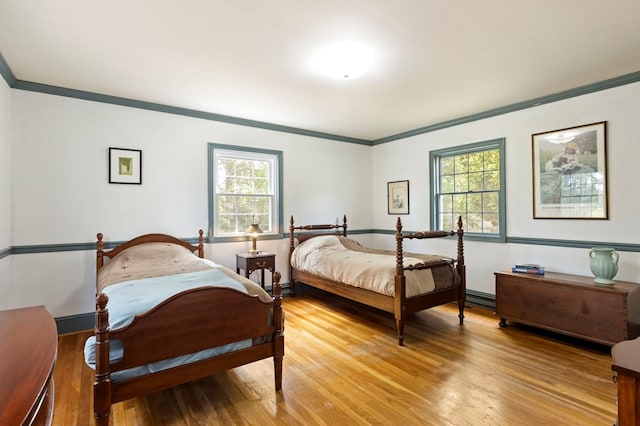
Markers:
point(346, 60)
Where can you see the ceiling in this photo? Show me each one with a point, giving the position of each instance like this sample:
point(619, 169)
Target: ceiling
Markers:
point(434, 61)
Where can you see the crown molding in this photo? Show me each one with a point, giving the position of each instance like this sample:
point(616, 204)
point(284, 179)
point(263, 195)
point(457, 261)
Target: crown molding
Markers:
point(151, 106)
point(5, 252)
point(6, 72)
point(571, 93)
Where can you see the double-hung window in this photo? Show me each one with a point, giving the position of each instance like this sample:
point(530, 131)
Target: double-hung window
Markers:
point(468, 181)
point(244, 188)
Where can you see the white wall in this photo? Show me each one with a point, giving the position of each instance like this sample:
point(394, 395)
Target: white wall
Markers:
point(409, 159)
point(5, 191)
point(61, 192)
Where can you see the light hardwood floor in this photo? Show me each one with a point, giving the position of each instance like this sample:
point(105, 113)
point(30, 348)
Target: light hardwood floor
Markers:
point(343, 366)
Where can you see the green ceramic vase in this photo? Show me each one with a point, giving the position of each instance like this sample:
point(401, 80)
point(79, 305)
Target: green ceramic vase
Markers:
point(604, 264)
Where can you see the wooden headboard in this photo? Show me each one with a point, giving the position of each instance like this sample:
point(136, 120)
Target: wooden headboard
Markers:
point(148, 238)
point(303, 236)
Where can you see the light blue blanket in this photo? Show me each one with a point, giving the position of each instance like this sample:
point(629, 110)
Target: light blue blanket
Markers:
point(130, 298)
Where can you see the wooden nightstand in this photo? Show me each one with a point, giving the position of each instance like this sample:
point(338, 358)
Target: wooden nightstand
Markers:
point(256, 262)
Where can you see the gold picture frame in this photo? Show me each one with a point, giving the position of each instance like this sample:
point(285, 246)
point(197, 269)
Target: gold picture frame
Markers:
point(570, 173)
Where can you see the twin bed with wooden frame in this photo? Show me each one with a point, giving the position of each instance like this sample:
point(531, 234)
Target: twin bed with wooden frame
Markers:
point(227, 324)
point(227, 320)
point(397, 299)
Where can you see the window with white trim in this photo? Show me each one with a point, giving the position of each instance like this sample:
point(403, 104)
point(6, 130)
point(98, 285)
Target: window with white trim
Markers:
point(244, 188)
point(468, 181)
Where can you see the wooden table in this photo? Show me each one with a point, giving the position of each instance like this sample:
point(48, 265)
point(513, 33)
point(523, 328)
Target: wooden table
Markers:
point(28, 349)
point(570, 304)
point(625, 361)
point(256, 262)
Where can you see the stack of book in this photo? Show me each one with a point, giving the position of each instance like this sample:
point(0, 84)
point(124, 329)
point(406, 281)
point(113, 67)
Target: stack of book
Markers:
point(528, 268)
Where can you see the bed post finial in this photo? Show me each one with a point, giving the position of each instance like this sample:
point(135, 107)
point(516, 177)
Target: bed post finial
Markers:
point(277, 293)
point(291, 247)
point(201, 244)
point(344, 226)
point(99, 252)
point(291, 235)
point(460, 233)
point(399, 238)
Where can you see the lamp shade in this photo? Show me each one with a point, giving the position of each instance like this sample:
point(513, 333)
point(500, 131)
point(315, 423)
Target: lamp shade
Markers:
point(254, 229)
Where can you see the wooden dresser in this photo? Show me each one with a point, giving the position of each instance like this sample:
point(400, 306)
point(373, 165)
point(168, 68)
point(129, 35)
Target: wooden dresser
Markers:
point(28, 349)
point(570, 304)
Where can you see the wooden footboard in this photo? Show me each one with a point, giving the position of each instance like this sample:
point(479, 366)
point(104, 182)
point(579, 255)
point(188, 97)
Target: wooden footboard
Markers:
point(457, 293)
point(188, 322)
point(400, 305)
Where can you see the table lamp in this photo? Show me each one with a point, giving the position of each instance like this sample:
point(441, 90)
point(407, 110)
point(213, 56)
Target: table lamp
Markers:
point(254, 230)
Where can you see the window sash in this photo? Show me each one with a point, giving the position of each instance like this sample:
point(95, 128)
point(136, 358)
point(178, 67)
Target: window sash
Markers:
point(468, 181)
point(244, 189)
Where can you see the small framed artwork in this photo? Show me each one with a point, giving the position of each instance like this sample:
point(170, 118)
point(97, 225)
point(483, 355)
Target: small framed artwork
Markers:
point(125, 166)
point(398, 197)
point(570, 173)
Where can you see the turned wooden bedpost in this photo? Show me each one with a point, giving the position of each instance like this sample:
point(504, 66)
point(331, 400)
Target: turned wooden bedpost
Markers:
point(278, 354)
point(99, 252)
point(201, 244)
point(292, 283)
point(462, 295)
point(398, 302)
point(102, 382)
point(344, 225)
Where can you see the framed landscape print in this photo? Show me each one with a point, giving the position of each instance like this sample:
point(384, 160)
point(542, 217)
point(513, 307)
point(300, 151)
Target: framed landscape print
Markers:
point(570, 173)
point(125, 166)
point(398, 197)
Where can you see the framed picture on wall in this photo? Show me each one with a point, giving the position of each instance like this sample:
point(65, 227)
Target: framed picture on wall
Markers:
point(125, 166)
point(398, 197)
point(570, 173)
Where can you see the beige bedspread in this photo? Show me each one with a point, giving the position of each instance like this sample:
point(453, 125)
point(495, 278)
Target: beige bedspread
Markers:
point(158, 259)
point(347, 261)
